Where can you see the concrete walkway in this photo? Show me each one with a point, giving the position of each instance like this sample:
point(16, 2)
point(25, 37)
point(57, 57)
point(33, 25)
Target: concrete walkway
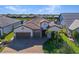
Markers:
point(34, 49)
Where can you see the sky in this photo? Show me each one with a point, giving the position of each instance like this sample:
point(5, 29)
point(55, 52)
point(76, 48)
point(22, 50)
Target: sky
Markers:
point(38, 9)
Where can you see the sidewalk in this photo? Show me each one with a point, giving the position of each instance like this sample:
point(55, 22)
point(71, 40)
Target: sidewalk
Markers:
point(34, 49)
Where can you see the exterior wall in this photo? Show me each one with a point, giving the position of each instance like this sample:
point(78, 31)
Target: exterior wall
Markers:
point(17, 24)
point(37, 34)
point(8, 29)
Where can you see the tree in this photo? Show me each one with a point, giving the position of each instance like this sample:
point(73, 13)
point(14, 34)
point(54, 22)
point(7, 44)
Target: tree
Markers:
point(54, 43)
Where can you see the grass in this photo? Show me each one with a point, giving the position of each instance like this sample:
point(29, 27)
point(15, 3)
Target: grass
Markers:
point(23, 18)
point(70, 43)
point(9, 36)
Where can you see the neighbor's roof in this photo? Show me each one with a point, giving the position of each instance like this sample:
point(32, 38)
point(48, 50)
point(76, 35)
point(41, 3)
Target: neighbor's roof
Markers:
point(5, 21)
point(69, 18)
point(74, 25)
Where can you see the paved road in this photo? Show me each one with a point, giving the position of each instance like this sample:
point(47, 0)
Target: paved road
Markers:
point(25, 46)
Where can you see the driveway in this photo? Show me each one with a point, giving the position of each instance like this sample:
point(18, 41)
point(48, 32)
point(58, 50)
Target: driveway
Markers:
point(26, 45)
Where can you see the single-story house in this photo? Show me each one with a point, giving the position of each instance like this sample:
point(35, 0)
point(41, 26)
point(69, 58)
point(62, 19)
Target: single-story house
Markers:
point(32, 28)
point(8, 24)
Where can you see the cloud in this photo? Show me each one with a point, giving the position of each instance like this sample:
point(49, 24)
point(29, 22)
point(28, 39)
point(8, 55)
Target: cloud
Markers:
point(11, 8)
point(51, 9)
point(16, 9)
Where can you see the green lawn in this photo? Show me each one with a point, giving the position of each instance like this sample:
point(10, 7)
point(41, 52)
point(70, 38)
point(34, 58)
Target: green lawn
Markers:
point(23, 18)
point(9, 36)
point(70, 43)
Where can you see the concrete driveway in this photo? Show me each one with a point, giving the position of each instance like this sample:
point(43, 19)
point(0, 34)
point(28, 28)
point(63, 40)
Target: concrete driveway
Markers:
point(26, 45)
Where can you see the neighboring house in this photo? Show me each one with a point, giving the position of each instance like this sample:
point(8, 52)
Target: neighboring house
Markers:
point(32, 28)
point(71, 21)
point(68, 18)
point(75, 25)
point(7, 25)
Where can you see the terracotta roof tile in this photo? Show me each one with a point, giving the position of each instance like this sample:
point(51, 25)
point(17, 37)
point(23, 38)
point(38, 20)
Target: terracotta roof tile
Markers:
point(34, 23)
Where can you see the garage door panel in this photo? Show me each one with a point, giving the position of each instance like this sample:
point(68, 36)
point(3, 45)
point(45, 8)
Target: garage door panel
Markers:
point(23, 35)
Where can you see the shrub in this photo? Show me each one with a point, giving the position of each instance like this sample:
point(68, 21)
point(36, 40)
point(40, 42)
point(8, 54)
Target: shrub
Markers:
point(53, 44)
point(75, 35)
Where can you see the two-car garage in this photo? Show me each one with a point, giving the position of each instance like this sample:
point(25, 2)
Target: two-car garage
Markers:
point(23, 33)
point(27, 33)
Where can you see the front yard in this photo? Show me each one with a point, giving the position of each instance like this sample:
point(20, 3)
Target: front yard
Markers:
point(6, 39)
point(9, 37)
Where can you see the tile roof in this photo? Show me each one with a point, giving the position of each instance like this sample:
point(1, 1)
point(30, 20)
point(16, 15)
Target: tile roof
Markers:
point(31, 25)
point(34, 23)
point(74, 25)
point(38, 20)
point(5, 21)
point(52, 23)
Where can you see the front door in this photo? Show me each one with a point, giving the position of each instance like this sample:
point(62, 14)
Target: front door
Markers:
point(43, 33)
